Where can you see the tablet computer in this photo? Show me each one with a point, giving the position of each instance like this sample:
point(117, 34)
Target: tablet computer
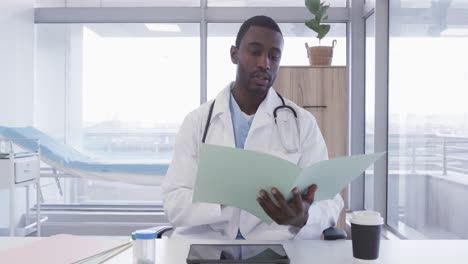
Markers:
point(237, 253)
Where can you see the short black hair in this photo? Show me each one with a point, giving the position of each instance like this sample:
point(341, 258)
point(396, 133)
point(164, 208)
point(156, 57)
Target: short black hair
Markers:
point(260, 21)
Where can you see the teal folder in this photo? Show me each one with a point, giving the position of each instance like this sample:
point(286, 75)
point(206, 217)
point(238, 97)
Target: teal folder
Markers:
point(234, 177)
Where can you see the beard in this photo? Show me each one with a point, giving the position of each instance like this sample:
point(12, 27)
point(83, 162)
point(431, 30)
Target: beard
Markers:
point(246, 80)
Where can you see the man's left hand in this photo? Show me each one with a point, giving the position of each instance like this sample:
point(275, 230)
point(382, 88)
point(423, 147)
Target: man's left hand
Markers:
point(294, 212)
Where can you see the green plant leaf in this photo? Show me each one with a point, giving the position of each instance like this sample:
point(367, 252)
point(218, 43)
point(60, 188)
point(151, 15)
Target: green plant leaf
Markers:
point(325, 8)
point(323, 30)
point(312, 5)
point(316, 24)
point(318, 16)
point(312, 24)
point(319, 10)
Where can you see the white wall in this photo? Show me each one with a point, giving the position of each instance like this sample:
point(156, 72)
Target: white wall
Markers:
point(17, 62)
point(16, 76)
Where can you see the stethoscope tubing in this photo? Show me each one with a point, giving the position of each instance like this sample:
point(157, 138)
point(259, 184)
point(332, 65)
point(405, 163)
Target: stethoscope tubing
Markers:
point(282, 106)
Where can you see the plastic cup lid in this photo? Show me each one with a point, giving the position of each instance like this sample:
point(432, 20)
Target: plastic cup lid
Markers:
point(366, 218)
point(145, 234)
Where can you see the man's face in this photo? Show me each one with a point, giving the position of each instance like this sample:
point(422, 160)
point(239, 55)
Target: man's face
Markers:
point(258, 58)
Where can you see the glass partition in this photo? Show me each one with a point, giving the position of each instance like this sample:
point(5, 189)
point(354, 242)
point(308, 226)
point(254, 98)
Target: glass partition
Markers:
point(428, 119)
point(116, 92)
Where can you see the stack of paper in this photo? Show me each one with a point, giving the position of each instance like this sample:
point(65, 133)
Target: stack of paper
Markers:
point(234, 177)
point(63, 248)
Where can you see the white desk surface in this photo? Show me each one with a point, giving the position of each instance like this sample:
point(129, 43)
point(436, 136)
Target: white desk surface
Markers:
point(171, 251)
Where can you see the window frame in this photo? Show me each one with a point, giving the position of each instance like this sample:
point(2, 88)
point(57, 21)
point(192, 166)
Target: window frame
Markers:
point(205, 14)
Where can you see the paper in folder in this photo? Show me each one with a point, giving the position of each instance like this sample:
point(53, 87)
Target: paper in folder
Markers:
point(234, 177)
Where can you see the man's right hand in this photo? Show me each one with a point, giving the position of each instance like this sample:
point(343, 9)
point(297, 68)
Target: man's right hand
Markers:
point(294, 213)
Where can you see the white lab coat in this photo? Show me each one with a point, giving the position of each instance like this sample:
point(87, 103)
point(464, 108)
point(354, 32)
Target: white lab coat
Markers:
point(214, 221)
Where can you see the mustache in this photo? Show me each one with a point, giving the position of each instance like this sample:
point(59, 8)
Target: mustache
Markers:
point(261, 73)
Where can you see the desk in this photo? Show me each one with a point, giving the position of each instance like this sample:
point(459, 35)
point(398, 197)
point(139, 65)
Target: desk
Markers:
point(169, 251)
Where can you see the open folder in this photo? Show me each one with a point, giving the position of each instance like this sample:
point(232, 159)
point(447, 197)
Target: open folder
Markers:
point(64, 248)
point(234, 177)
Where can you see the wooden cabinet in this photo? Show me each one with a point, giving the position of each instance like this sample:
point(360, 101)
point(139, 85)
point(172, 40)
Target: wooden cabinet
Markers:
point(323, 92)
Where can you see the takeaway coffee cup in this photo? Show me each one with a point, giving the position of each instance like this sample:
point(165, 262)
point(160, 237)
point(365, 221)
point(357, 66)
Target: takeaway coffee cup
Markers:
point(365, 233)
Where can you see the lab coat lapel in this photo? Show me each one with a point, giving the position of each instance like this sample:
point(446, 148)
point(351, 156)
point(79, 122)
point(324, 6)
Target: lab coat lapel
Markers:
point(221, 111)
point(264, 114)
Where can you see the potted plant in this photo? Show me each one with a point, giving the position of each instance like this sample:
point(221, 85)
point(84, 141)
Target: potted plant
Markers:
point(319, 55)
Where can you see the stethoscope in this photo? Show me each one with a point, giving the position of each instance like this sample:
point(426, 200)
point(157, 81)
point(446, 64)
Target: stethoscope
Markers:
point(284, 106)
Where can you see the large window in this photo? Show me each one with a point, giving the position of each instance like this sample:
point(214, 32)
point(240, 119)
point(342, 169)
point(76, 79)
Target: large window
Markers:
point(428, 120)
point(120, 91)
point(117, 88)
point(146, 84)
point(117, 92)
